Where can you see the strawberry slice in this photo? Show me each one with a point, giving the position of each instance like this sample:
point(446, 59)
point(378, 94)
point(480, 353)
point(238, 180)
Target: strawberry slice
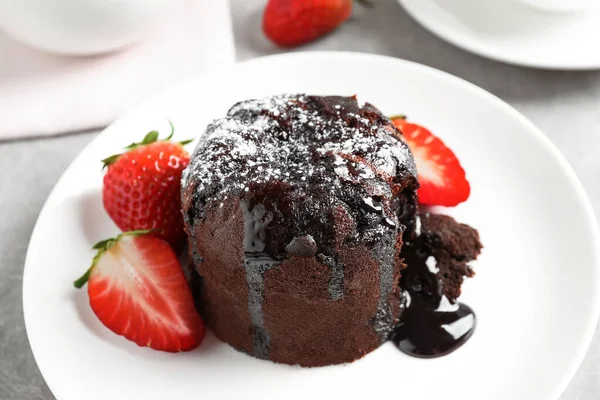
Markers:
point(442, 178)
point(137, 289)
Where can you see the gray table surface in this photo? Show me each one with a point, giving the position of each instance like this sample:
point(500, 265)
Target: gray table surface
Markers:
point(565, 105)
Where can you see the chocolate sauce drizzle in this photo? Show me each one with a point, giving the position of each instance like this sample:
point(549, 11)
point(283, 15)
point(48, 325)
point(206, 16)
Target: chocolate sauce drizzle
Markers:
point(336, 282)
point(430, 326)
point(256, 263)
point(383, 251)
point(427, 330)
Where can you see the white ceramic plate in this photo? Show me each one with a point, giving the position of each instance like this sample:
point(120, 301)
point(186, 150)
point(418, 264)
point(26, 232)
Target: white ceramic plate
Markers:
point(507, 31)
point(535, 294)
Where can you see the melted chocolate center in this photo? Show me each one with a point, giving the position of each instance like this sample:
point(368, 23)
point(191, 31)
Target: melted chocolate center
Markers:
point(430, 325)
point(428, 330)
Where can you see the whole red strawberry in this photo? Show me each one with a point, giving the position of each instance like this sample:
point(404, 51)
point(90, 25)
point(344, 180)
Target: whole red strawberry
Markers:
point(291, 23)
point(137, 289)
point(142, 187)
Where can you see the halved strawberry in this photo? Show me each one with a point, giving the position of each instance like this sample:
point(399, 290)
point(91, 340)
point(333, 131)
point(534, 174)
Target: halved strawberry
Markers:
point(442, 178)
point(138, 290)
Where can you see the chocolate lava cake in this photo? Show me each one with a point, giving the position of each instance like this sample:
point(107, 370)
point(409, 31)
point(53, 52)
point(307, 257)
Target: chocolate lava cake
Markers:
point(295, 207)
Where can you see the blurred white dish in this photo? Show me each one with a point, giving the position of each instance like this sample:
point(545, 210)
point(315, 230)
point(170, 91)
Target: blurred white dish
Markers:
point(82, 27)
point(511, 32)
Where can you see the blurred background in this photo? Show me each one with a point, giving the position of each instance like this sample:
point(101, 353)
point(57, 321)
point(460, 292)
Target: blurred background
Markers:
point(66, 75)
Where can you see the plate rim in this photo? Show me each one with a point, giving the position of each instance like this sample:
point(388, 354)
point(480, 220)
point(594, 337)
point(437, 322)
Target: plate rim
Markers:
point(534, 131)
point(483, 51)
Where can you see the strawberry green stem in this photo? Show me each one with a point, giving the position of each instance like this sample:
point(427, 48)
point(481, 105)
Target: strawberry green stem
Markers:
point(84, 278)
point(102, 246)
point(172, 130)
point(398, 116)
point(151, 137)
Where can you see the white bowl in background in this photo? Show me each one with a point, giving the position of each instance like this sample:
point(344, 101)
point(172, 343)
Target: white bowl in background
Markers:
point(82, 27)
point(513, 32)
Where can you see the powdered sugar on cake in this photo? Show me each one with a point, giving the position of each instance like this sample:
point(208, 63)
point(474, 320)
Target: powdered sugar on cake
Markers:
point(285, 138)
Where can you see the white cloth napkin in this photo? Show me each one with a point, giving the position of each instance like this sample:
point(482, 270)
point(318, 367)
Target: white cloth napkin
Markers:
point(45, 94)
